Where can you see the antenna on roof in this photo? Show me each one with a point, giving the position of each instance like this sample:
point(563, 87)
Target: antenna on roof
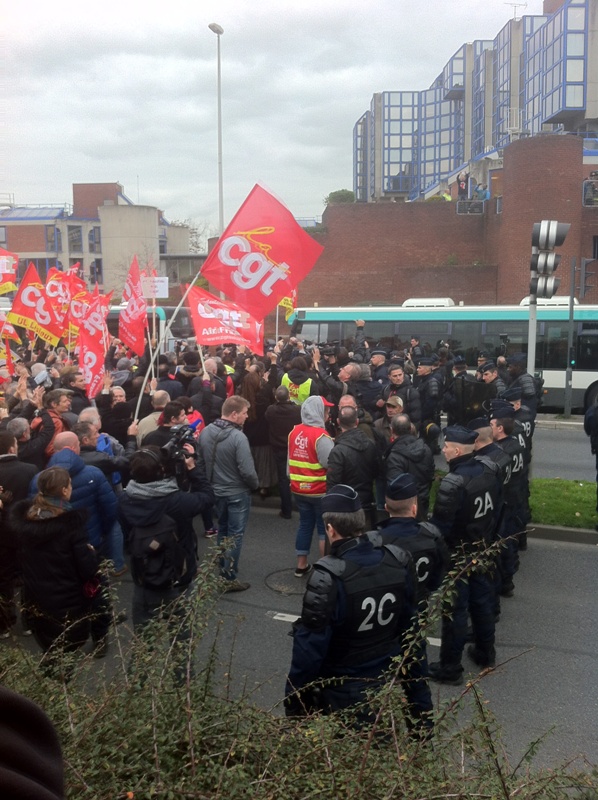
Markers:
point(515, 7)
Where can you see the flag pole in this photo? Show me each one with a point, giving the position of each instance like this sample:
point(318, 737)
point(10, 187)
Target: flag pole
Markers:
point(164, 337)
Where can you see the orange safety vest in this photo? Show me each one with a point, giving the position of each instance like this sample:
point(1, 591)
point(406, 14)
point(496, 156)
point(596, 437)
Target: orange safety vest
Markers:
point(306, 474)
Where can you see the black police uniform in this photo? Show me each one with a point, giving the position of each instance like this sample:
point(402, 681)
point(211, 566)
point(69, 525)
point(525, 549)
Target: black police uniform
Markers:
point(516, 499)
point(467, 511)
point(358, 604)
point(428, 550)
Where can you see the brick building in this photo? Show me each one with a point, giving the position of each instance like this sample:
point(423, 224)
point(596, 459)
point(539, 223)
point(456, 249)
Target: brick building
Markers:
point(378, 253)
point(102, 230)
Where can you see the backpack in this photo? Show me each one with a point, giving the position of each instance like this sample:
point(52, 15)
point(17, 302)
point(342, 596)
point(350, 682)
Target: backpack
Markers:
point(158, 560)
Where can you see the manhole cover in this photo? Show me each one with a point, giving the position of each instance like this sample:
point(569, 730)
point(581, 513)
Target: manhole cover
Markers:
point(285, 582)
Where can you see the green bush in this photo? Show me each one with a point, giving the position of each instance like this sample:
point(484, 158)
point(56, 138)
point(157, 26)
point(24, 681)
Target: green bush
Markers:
point(146, 734)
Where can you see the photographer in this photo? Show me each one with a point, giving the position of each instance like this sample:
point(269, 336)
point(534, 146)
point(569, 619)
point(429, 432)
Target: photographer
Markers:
point(153, 499)
point(172, 415)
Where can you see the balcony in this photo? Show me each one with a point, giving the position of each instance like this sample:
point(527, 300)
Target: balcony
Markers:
point(470, 206)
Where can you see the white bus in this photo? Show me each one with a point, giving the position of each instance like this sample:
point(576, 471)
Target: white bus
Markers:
point(499, 330)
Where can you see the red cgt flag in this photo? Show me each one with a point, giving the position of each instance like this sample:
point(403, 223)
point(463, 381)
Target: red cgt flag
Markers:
point(91, 354)
point(8, 271)
point(32, 309)
point(218, 321)
point(262, 255)
point(132, 322)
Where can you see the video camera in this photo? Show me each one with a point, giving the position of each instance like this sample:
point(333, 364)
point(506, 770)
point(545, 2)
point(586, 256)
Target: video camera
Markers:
point(175, 454)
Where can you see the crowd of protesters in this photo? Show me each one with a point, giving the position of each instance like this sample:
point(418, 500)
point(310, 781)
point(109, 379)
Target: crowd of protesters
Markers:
point(193, 434)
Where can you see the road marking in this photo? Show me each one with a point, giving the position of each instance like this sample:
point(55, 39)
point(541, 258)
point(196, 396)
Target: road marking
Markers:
point(283, 617)
point(280, 617)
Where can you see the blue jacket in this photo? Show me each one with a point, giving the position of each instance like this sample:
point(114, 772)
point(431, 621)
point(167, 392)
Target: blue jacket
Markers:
point(91, 491)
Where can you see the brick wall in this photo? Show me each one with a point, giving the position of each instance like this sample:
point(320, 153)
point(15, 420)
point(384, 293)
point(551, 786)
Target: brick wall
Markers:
point(389, 252)
point(540, 181)
point(87, 197)
point(26, 238)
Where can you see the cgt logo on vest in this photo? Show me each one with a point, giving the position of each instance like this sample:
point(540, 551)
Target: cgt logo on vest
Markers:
point(301, 442)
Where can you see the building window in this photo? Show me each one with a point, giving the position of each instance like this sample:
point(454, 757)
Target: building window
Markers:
point(162, 247)
point(53, 239)
point(2, 236)
point(95, 271)
point(75, 233)
point(95, 240)
point(595, 247)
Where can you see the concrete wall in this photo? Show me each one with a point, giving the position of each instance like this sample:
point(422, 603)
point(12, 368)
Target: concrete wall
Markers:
point(127, 231)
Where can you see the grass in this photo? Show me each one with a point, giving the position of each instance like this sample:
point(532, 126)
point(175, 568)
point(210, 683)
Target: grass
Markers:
point(554, 501)
point(559, 502)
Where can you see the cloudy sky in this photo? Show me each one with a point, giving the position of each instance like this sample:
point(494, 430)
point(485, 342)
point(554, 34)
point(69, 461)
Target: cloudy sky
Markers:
point(125, 91)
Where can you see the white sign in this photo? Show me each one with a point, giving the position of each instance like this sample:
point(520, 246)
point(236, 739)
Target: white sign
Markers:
point(154, 287)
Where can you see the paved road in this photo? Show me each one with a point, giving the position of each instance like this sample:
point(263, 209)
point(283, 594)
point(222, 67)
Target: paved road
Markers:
point(549, 630)
point(558, 453)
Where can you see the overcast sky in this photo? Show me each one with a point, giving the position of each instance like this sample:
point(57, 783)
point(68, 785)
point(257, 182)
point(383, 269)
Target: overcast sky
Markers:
point(125, 91)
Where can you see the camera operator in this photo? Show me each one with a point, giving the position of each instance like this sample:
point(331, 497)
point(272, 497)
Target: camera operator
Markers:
point(173, 414)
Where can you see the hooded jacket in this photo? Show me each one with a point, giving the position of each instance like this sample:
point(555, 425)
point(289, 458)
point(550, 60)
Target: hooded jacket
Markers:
point(144, 504)
point(91, 491)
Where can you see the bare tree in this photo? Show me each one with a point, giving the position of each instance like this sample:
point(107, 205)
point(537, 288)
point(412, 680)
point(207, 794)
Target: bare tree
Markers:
point(199, 233)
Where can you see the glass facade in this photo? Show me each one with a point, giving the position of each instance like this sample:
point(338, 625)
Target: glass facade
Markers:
point(531, 79)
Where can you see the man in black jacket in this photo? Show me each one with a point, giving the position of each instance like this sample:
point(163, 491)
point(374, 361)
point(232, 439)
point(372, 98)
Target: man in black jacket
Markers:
point(354, 461)
point(173, 414)
point(32, 448)
point(15, 477)
point(282, 417)
point(75, 382)
point(407, 453)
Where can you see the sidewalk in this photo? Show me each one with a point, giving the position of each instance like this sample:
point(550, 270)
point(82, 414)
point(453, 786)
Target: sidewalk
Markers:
point(535, 531)
point(556, 422)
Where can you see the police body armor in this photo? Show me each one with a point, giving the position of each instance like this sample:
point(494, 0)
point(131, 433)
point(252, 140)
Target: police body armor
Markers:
point(515, 491)
point(374, 601)
point(427, 549)
point(478, 516)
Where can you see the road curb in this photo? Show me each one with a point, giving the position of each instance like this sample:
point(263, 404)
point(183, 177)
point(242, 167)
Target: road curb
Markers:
point(557, 533)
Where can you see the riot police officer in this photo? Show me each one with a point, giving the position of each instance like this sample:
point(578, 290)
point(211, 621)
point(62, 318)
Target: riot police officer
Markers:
point(422, 539)
point(515, 495)
point(358, 604)
point(467, 511)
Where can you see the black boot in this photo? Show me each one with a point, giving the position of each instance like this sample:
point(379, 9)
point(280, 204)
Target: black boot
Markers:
point(446, 673)
point(482, 656)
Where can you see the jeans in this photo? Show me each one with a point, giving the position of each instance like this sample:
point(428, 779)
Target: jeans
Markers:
point(233, 514)
point(310, 516)
point(115, 546)
point(284, 485)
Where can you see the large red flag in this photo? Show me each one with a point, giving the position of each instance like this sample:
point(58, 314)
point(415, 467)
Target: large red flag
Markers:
point(8, 271)
point(32, 309)
point(7, 331)
point(262, 255)
point(218, 321)
point(91, 356)
point(132, 322)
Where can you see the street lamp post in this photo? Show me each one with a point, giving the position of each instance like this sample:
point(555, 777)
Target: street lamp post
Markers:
point(219, 30)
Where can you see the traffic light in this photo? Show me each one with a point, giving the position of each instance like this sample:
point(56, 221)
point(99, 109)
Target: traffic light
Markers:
point(546, 235)
point(572, 358)
point(585, 275)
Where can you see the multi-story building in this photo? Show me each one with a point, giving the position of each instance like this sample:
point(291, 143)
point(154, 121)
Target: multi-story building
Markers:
point(102, 230)
point(537, 76)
